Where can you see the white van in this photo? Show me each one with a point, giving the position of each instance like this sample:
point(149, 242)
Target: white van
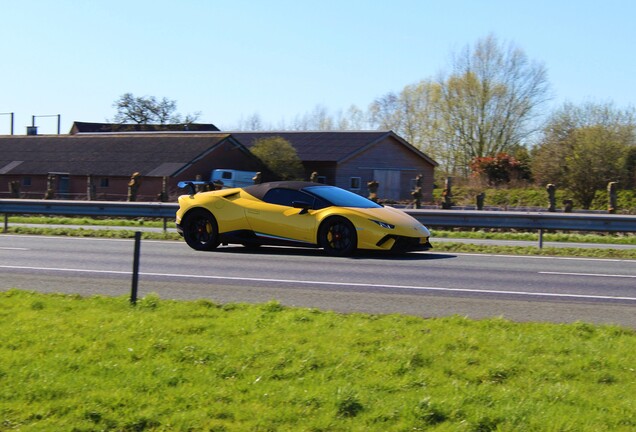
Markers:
point(233, 178)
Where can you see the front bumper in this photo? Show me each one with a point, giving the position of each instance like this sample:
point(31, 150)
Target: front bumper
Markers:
point(398, 243)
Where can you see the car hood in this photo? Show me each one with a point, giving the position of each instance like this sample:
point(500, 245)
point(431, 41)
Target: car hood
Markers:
point(393, 216)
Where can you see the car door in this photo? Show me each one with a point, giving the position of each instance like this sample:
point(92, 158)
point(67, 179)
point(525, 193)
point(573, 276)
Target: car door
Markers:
point(276, 216)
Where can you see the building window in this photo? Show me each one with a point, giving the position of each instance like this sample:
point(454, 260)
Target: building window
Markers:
point(26, 181)
point(103, 182)
point(355, 183)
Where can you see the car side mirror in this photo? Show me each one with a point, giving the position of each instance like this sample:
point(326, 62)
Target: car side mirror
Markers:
point(305, 206)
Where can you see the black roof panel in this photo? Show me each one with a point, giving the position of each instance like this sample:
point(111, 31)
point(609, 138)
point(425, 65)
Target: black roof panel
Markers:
point(259, 190)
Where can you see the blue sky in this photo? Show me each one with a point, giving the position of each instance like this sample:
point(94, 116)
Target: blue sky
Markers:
point(230, 59)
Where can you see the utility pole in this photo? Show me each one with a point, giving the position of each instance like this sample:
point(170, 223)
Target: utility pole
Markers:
point(59, 120)
point(12, 118)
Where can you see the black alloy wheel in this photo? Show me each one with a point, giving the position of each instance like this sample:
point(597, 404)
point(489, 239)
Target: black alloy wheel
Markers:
point(200, 230)
point(338, 237)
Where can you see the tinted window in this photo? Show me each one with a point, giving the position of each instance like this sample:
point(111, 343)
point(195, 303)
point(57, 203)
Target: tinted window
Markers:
point(340, 197)
point(286, 197)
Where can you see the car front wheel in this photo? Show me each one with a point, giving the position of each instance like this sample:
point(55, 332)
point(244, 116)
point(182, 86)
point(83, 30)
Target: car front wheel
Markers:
point(337, 236)
point(200, 230)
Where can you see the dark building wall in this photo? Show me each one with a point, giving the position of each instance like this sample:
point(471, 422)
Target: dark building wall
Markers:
point(33, 189)
point(108, 187)
point(225, 156)
point(324, 169)
point(387, 162)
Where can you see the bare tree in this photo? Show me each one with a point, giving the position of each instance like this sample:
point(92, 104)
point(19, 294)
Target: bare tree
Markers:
point(319, 119)
point(352, 119)
point(489, 100)
point(413, 113)
point(486, 105)
point(149, 110)
point(385, 112)
point(253, 122)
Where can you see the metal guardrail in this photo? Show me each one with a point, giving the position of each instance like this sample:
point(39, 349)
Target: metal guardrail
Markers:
point(526, 220)
point(165, 211)
point(430, 218)
point(89, 208)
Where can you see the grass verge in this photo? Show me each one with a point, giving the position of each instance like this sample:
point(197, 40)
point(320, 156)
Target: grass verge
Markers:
point(64, 220)
point(621, 239)
point(88, 364)
point(535, 251)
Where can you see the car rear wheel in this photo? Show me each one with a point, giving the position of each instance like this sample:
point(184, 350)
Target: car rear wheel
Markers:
point(337, 236)
point(200, 230)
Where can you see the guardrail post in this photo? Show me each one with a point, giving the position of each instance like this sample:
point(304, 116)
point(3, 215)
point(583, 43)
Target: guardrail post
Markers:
point(6, 223)
point(135, 275)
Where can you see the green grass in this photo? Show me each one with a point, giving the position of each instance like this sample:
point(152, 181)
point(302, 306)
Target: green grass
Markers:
point(87, 232)
point(534, 250)
point(90, 364)
point(619, 238)
point(141, 222)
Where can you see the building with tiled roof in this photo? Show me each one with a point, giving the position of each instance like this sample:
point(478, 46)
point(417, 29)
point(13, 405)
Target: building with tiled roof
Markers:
point(111, 159)
point(346, 159)
point(90, 127)
point(351, 159)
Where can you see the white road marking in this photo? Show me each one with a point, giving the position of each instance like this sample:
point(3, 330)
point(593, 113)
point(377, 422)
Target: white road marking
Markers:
point(327, 283)
point(589, 274)
point(539, 257)
point(13, 248)
point(432, 251)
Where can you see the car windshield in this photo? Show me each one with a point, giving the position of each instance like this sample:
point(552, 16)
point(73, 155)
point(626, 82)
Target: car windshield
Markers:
point(340, 197)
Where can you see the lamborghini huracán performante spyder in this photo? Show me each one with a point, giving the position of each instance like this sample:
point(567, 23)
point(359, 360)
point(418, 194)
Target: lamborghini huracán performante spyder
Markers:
point(295, 214)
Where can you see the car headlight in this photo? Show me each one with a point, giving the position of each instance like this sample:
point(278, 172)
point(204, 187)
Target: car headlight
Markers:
point(383, 224)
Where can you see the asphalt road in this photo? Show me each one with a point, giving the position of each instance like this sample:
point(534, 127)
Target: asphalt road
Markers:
point(425, 284)
point(526, 243)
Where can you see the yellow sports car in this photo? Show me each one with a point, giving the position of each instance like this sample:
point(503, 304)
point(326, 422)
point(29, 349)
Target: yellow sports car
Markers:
point(295, 213)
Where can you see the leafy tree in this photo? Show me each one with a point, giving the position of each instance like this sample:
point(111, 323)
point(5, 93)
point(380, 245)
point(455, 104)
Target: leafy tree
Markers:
point(489, 101)
point(486, 105)
point(500, 169)
point(630, 168)
point(585, 147)
point(149, 110)
point(280, 157)
point(597, 159)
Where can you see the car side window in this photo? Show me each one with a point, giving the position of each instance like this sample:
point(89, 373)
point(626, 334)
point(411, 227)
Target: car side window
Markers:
point(286, 197)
